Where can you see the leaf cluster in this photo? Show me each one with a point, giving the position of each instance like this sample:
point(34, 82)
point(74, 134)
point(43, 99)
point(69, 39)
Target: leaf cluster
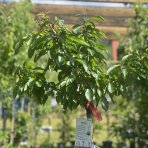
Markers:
point(74, 53)
point(77, 56)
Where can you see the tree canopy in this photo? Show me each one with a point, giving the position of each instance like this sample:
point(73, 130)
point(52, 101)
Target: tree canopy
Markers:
point(77, 56)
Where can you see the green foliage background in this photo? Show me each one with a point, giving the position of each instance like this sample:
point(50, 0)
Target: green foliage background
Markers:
point(133, 124)
point(75, 59)
point(15, 23)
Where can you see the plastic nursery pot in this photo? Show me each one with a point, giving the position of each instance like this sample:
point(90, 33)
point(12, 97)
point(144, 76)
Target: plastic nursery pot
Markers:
point(107, 144)
point(61, 145)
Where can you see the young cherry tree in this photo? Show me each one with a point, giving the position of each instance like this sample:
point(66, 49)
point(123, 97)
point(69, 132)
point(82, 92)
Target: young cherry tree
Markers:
point(76, 55)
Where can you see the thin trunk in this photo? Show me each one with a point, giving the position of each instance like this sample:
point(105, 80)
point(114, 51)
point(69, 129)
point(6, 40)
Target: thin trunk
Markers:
point(88, 113)
point(4, 123)
point(34, 122)
point(0, 109)
point(30, 125)
point(29, 107)
point(49, 122)
point(135, 128)
point(22, 103)
point(108, 125)
point(12, 125)
point(4, 118)
point(4, 129)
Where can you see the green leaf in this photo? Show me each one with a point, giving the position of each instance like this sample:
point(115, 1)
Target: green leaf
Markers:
point(20, 44)
point(100, 47)
point(84, 63)
point(15, 90)
point(76, 28)
point(102, 34)
point(39, 84)
point(60, 59)
point(31, 51)
point(90, 25)
point(39, 55)
point(111, 69)
point(105, 104)
point(111, 88)
point(99, 92)
point(80, 41)
point(91, 51)
point(32, 45)
point(70, 79)
point(60, 22)
point(127, 57)
point(62, 83)
point(61, 76)
point(56, 19)
point(89, 94)
point(31, 82)
point(98, 18)
point(43, 101)
point(25, 87)
point(125, 72)
point(95, 75)
point(38, 93)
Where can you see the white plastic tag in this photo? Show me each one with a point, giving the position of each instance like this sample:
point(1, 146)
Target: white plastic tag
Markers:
point(83, 133)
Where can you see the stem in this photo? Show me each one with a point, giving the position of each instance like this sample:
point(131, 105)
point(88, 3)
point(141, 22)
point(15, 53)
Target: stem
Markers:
point(108, 125)
point(0, 108)
point(29, 107)
point(22, 103)
point(4, 123)
point(12, 124)
point(34, 122)
point(88, 113)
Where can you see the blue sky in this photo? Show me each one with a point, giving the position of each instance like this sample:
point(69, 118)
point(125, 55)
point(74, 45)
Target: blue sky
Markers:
point(62, 2)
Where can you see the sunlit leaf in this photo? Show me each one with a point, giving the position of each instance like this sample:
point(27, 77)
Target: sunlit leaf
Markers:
point(98, 18)
point(111, 88)
point(112, 68)
point(80, 41)
point(89, 94)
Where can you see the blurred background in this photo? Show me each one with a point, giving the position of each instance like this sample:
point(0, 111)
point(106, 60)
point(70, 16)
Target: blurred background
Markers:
point(24, 123)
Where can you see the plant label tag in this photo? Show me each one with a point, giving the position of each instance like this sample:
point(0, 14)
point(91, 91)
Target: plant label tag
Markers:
point(83, 133)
